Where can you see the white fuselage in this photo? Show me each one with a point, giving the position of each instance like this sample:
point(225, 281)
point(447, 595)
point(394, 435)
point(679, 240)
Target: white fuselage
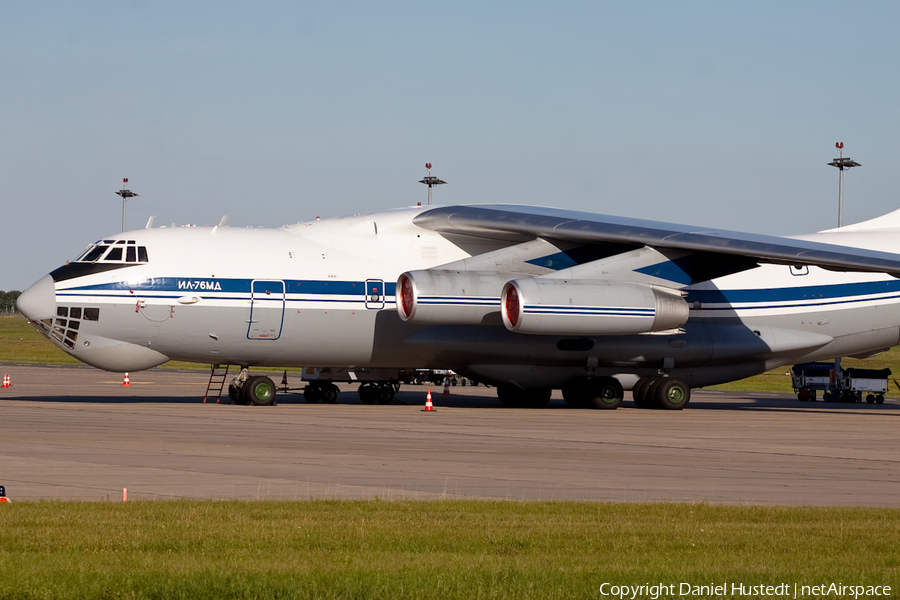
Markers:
point(323, 294)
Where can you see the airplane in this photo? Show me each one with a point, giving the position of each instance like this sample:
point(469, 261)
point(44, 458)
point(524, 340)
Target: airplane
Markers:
point(527, 299)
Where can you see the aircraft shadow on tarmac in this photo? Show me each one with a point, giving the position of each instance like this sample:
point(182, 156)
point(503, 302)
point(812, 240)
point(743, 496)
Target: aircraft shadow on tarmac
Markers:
point(727, 402)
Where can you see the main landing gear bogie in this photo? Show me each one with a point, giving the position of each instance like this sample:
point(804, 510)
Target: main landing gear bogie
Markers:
point(605, 393)
point(668, 393)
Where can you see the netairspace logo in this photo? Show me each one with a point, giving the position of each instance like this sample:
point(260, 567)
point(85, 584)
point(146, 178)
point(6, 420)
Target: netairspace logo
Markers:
point(736, 590)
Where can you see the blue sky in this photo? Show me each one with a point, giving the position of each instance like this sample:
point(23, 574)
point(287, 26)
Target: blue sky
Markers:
point(722, 114)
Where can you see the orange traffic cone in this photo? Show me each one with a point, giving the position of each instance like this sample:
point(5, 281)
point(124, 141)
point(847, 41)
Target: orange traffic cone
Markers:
point(429, 407)
point(6, 381)
point(3, 497)
point(126, 382)
point(446, 386)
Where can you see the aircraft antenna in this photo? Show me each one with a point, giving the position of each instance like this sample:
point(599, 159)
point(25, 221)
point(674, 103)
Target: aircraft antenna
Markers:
point(842, 163)
point(126, 194)
point(431, 181)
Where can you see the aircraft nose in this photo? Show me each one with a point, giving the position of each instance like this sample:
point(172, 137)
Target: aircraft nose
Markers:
point(39, 301)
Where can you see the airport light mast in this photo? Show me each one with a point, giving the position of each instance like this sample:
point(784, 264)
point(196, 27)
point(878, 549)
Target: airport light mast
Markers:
point(842, 163)
point(431, 181)
point(126, 194)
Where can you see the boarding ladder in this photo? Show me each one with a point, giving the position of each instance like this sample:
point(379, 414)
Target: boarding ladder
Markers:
point(217, 379)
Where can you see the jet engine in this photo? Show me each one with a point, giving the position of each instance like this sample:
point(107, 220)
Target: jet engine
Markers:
point(444, 297)
point(581, 307)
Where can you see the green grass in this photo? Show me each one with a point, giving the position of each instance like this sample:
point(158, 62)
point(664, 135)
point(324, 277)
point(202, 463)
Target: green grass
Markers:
point(439, 549)
point(19, 342)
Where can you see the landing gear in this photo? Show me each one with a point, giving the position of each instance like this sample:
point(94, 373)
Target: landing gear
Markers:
point(321, 391)
point(516, 397)
point(672, 394)
point(573, 393)
point(597, 392)
point(639, 392)
point(667, 393)
point(259, 390)
point(604, 392)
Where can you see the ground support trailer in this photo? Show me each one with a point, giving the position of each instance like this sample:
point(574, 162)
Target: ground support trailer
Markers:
point(839, 385)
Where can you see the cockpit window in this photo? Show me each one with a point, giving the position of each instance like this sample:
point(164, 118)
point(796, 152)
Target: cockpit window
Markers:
point(132, 252)
point(94, 254)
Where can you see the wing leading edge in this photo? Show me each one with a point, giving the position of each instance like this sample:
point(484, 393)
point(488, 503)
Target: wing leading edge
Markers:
point(495, 221)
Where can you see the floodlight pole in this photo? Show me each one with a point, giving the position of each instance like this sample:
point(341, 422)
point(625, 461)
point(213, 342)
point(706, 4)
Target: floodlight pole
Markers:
point(125, 194)
point(430, 181)
point(842, 163)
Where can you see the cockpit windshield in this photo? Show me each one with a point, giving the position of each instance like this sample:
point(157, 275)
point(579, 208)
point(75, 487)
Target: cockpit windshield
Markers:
point(115, 251)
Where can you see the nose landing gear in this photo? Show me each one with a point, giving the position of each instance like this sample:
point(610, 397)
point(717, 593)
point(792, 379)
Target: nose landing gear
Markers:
point(245, 389)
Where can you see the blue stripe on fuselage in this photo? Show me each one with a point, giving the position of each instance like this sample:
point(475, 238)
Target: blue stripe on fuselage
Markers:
point(233, 286)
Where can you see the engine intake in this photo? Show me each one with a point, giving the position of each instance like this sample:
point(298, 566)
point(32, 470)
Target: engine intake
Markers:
point(573, 307)
point(446, 297)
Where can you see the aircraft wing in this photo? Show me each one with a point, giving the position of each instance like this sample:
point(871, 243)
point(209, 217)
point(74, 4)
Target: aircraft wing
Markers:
point(497, 221)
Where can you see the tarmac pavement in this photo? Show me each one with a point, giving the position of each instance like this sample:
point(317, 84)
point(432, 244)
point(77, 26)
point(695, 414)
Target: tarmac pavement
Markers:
point(76, 433)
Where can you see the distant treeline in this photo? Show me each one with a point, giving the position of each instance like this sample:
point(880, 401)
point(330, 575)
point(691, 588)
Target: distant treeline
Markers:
point(8, 302)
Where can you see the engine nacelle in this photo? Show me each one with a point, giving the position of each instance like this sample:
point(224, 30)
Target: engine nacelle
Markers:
point(443, 297)
point(573, 307)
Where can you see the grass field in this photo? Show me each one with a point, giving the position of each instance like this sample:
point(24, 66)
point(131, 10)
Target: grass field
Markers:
point(439, 549)
point(19, 342)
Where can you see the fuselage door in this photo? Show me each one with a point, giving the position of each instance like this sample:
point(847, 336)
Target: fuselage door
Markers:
point(266, 309)
point(374, 293)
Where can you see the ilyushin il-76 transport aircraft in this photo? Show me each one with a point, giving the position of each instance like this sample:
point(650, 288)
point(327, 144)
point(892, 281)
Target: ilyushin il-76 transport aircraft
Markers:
point(524, 298)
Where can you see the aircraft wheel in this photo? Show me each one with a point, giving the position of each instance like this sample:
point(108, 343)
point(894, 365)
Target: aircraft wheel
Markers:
point(260, 391)
point(604, 392)
point(508, 395)
point(384, 394)
point(879, 399)
point(870, 399)
point(650, 398)
point(573, 393)
point(234, 393)
point(537, 397)
point(672, 394)
point(639, 392)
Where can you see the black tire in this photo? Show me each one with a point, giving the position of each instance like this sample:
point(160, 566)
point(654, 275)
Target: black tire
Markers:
point(234, 393)
point(367, 393)
point(384, 394)
point(639, 392)
point(879, 399)
point(508, 395)
point(537, 397)
point(672, 394)
point(604, 392)
point(870, 399)
point(260, 391)
point(573, 393)
point(311, 394)
point(329, 393)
